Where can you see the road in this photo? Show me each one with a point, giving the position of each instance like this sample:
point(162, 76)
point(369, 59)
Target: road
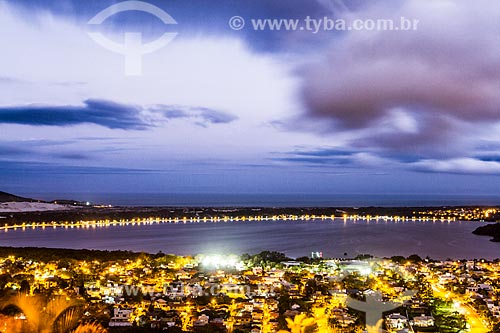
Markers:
point(473, 318)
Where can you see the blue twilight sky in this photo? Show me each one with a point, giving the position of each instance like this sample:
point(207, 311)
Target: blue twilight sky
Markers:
point(219, 110)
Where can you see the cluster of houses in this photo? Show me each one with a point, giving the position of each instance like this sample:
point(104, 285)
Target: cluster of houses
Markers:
point(478, 280)
point(254, 293)
point(396, 322)
point(187, 296)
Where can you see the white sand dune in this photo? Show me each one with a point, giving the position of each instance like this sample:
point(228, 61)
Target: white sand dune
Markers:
point(13, 207)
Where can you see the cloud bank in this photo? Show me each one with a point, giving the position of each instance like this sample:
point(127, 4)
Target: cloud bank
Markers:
point(108, 114)
point(425, 94)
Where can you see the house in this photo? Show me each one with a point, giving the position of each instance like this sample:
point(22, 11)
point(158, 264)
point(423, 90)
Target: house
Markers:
point(182, 275)
point(248, 306)
point(446, 278)
point(472, 289)
point(423, 321)
point(162, 304)
point(202, 320)
point(244, 318)
point(257, 315)
point(219, 322)
point(291, 263)
point(291, 313)
point(342, 317)
point(121, 317)
point(485, 287)
point(257, 270)
point(396, 321)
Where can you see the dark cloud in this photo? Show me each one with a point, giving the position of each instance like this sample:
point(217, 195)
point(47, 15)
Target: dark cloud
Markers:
point(202, 116)
point(193, 16)
point(73, 156)
point(411, 92)
point(323, 152)
point(82, 148)
point(317, 156)
point(435, 137)
point(36, 149)
point(197, 17)
point(333, 159)
point(215, 117)
point(315, 160)
point(107, 114)
point(488, 158)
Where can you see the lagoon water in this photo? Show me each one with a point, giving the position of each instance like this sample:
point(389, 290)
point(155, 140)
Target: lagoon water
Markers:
point(439, 240)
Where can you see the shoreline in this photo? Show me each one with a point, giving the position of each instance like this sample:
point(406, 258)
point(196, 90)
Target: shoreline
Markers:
point(112, 213)
point(491, 230)
point(54, 253)
point(94, 217)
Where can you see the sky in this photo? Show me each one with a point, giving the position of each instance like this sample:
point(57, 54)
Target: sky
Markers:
point(226, 108)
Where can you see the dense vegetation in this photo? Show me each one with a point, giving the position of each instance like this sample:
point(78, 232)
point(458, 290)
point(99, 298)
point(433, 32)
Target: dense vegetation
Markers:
point(7, 197)
point(492, 230)
point(51, 254)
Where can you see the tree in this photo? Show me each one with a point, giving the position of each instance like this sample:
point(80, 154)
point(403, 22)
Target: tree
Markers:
point(25, 287)
point(90, 328)
point(4, 279)
point(305, 260)
point(415, 259)
point(446, 321)
point(299, 324)
point(496, 328)
point(398, 259)
point(46, 315)
point(269, 257)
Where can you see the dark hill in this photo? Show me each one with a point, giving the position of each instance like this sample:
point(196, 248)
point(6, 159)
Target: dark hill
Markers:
point(7, 197)
point(492, 230)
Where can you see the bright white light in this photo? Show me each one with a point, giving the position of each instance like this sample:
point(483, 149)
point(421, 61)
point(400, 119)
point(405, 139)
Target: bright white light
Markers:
point(219, 261)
